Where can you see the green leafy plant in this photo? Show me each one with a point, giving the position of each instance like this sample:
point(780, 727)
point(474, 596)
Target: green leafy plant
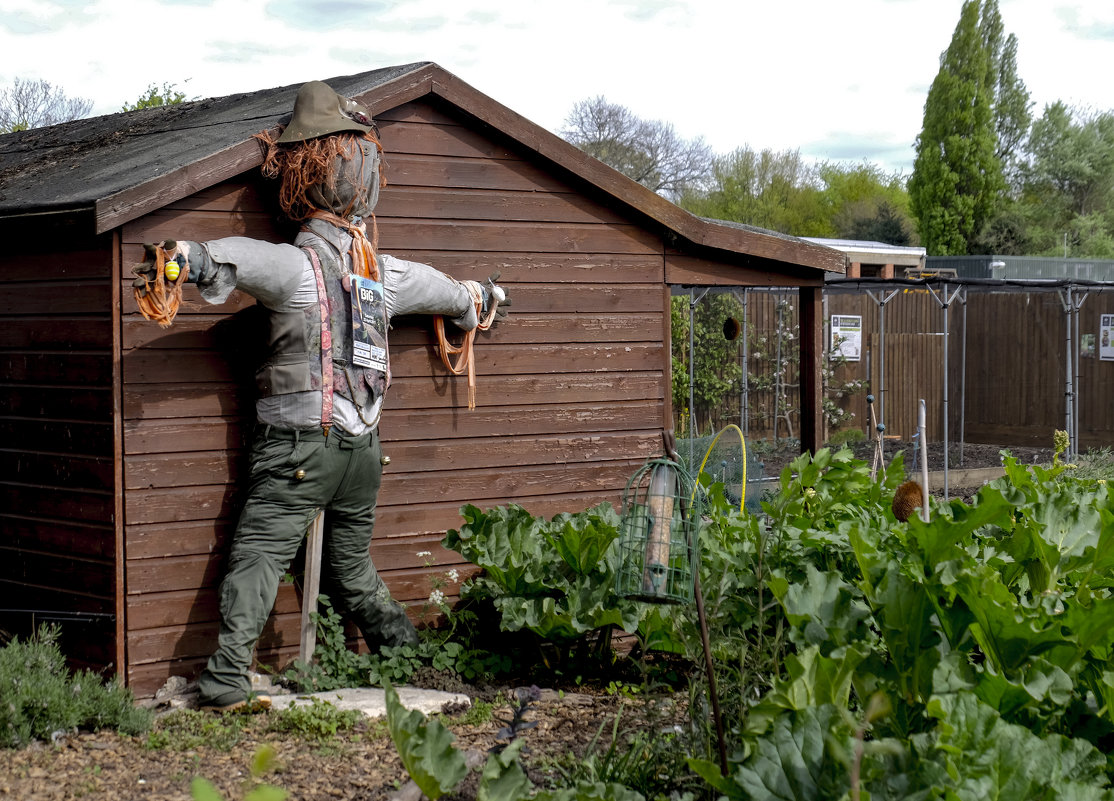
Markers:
point(437, 767)
point(425, 748)
point(554, 579)
point(336, 666)
point(316, 721)
point(964, 657)
point(40, 697)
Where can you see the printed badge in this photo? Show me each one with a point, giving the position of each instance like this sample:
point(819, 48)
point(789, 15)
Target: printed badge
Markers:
point(369, 324)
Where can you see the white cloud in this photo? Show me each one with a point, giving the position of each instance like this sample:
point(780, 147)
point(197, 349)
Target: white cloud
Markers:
point(835, 80)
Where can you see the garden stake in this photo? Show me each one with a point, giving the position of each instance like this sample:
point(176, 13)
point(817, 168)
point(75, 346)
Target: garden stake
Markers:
point(924, 461)
point(879, 450)
point(659, 556)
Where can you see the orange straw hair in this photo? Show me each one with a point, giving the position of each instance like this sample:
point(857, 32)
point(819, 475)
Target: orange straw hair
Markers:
point(304, 165)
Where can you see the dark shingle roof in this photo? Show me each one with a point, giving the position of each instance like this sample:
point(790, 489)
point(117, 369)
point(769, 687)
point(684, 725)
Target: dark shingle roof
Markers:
point(77, 164)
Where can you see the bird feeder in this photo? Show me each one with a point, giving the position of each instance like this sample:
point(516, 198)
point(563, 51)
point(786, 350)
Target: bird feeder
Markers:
point(657, 535)
point(659, 550)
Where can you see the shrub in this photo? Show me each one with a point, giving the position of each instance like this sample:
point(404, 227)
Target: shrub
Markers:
point(40, 698)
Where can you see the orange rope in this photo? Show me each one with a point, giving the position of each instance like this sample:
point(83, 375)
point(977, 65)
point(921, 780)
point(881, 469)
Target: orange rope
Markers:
point(467, 361)
point(159, 300)
point(362, 251)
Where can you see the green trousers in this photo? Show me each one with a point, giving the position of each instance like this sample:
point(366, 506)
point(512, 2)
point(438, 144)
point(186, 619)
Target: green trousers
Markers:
point(293, 475)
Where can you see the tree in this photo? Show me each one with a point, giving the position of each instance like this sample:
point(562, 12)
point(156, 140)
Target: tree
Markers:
point(648, 152)
point(1068, 186)
point(957, 175)
point(865, 203)
point(168, 95)
point(767, 189)
point(1012, 112)
point(34, 103)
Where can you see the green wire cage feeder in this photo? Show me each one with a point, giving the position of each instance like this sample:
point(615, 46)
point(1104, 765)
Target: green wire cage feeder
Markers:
point(658, 535)
point(659, 550)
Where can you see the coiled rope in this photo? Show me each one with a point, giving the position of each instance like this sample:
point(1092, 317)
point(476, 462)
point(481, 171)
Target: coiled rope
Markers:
point(160, 298)
point(466, 363)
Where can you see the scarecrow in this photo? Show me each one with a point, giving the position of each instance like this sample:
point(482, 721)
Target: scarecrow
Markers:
point(330, 298)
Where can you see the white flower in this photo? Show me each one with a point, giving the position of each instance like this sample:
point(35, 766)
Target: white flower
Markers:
point(437, 597)
point(424, 553)
point(453, 575)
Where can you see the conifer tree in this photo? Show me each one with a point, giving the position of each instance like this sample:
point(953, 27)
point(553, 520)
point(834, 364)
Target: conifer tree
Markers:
point(957, 174)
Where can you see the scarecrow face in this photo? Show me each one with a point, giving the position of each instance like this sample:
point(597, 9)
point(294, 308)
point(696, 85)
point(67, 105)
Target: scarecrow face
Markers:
point(352, 187)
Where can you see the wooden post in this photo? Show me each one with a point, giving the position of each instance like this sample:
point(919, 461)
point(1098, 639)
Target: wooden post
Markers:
point(812, 351)
point(311, 586)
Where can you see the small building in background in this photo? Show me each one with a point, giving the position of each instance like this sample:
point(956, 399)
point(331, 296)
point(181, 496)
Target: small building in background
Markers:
point(876, 259)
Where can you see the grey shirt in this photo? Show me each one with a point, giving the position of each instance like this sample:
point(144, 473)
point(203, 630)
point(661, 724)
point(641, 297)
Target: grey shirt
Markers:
point(281, 278)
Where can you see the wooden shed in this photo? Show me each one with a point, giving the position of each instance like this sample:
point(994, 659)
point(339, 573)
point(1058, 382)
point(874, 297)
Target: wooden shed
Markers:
point(123, 443)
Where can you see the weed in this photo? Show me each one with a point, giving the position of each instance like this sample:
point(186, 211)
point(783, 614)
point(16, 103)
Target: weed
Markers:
point(516, 724)
point(478, 714)
point(647, 761)
point(187, 729)
point(317, 721)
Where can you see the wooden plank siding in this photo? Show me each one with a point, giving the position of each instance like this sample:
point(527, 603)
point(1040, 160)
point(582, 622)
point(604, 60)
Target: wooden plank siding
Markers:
point(1011, 391)
point(570, 389)
point(57, 556)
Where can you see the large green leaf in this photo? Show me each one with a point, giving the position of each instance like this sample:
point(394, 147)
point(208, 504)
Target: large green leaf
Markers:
point(989, 758)
point(823, 608)
point(907, 620)
point(790, 762)
point(503, 778)
point(425, 748)
point(813, 680)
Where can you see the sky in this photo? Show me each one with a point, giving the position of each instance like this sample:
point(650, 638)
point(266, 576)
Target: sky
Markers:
point(837, 80)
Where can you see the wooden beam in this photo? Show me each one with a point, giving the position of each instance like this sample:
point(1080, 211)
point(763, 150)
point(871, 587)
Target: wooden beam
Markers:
point(812, 352)
point(119, 552)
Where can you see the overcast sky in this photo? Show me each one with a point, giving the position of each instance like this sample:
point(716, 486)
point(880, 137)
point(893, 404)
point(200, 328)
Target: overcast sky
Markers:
point(837, 79)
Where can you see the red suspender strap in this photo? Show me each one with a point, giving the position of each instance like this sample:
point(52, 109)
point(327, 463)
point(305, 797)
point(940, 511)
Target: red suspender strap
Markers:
point(326, 344)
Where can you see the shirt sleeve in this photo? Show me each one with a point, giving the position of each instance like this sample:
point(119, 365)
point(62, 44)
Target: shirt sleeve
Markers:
point(410, 287)
point(271, 273)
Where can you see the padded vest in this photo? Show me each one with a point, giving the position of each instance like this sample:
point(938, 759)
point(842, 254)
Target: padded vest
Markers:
point(294, 342)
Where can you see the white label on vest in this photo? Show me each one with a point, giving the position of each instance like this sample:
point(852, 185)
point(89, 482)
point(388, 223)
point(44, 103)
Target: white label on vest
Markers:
point(369, 324)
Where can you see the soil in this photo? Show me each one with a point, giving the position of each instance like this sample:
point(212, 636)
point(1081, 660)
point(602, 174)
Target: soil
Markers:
point(360, 765)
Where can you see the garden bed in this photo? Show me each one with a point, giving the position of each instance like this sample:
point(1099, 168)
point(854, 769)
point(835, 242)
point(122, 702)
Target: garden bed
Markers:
point(360, 765)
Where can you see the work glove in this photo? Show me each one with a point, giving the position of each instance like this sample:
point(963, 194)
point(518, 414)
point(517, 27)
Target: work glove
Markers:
point(189, 256)
point(491, 291)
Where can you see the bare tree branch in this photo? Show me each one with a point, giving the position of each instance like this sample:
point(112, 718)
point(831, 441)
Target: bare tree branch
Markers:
point(649, 152)
point(36, 103)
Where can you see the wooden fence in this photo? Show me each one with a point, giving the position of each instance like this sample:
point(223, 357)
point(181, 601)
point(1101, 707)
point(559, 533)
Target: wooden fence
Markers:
point(1006, 379)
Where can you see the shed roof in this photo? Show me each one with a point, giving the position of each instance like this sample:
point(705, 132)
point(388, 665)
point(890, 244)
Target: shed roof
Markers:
point(115, 168)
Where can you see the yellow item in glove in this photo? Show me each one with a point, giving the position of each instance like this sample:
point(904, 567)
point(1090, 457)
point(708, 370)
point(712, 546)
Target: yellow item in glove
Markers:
point(172, 270)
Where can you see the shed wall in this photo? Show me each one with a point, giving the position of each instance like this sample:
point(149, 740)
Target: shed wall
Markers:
point(570, 390)
point(57, 555)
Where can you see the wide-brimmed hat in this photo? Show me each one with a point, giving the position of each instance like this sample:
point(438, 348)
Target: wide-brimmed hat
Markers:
point(319, 111)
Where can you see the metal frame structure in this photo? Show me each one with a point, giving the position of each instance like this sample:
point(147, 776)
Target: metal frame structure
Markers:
point(946, 291)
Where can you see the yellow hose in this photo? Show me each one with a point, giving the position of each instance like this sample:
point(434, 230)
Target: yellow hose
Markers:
point(742, 441)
